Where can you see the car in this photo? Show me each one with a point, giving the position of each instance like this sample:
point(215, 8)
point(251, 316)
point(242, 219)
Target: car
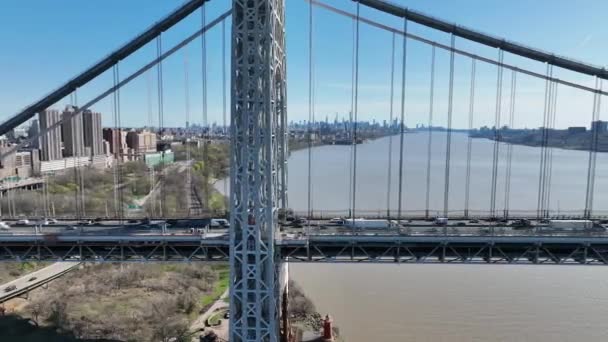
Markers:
point(43, 222)
point(52, 221)
point(23, 222)
point(473, 221)
point(460, 224)
point(10, 288)
point(227, 315)
point(70, 228)
point(85, 222)
point(98, 219)
point(337, 221)
point(4, 225)
point(217, 223)
point(133, 221)
point(32, 278)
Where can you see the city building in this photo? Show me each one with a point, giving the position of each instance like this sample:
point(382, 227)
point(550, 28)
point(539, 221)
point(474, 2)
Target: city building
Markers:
point(117, 139)
point(92, 130)
point(599, 126)
point(576, 130)
point(32, 132)
point(72, 132)
point(142, 142)
point(49, 142)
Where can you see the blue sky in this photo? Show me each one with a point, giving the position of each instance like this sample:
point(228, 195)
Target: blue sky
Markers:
point(44, 43)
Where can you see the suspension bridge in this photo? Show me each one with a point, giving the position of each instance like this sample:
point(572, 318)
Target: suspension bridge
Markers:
point(260, 240)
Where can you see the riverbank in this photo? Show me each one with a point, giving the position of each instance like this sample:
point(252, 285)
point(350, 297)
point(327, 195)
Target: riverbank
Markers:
point(562, 139)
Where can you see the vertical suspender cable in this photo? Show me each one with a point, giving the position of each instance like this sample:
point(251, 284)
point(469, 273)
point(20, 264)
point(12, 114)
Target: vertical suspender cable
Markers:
point(390, 141)
point(510, 146)
point(310, 116)
point(355, 115)
point(206, 169)
point(350, 121)
point(120, 166)
point(188, 143)
point(159, 74)
point(541, 177)
point(467, 187)
point(116, 143)
point(402, 123)
point(224, 111)
point(496, 134)
point(593, 150)
point(448, 142)
point(550, 150)
point(429, 147)
point(150, 115)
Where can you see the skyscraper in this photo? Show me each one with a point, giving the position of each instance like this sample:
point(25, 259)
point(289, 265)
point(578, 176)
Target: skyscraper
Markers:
point(32, 132)
point(49, 142)
point(93, 137)
point(71, 129)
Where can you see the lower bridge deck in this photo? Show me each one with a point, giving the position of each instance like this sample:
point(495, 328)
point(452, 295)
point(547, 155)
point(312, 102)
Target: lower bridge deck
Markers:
point(561, 250)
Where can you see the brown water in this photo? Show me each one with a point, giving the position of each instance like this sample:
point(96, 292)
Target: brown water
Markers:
point(460, 302)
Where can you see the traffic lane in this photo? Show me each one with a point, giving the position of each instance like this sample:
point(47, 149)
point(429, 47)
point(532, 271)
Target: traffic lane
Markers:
point(35, 278)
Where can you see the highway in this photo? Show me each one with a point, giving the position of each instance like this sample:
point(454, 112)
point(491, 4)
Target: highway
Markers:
point(35, 279)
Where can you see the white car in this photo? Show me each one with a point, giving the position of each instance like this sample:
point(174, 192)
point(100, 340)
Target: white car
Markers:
point(223, 223)
point(4, 225)
point(23, 222)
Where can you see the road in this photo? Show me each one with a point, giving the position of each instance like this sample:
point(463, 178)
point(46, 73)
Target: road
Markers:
point(32, 280)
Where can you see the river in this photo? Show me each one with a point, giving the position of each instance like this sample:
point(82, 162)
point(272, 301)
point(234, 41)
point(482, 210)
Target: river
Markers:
point(452, 302)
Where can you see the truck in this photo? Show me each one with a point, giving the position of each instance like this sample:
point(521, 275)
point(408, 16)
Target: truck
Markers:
point(570, 225)
point(368, 224)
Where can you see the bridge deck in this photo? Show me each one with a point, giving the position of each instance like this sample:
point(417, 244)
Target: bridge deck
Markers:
point(560, 250)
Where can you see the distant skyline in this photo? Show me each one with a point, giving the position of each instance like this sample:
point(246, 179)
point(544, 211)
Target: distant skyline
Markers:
point(68, 37)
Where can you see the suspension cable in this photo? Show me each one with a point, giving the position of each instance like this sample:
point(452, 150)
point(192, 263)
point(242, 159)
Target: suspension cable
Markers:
point(206, 128)
point(117, 140)
point(429, 141)
point(593, 150)
point(542, 172)
point(224, 110)
point(467, 187)
point(390, 141)
point(448, 142)
point(350, 120)
point(310, 116)
point(355, 115)
point(509, 145)
point(550, 149)
point(402, 123)
point(188, 153)
point(496, 133)
point(159, 74)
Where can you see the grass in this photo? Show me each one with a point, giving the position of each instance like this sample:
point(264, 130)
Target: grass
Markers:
point(219, 287)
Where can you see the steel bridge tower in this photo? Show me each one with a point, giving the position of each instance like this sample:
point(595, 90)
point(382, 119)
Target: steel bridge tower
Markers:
point(258, 173)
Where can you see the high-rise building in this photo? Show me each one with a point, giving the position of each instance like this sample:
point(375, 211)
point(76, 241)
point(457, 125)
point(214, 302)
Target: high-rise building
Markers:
point(72, 131)
point(117, 139)
point(93, 138)
point(32, 132)
point(599, 126)
point(142, 142)
point(49, 142)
